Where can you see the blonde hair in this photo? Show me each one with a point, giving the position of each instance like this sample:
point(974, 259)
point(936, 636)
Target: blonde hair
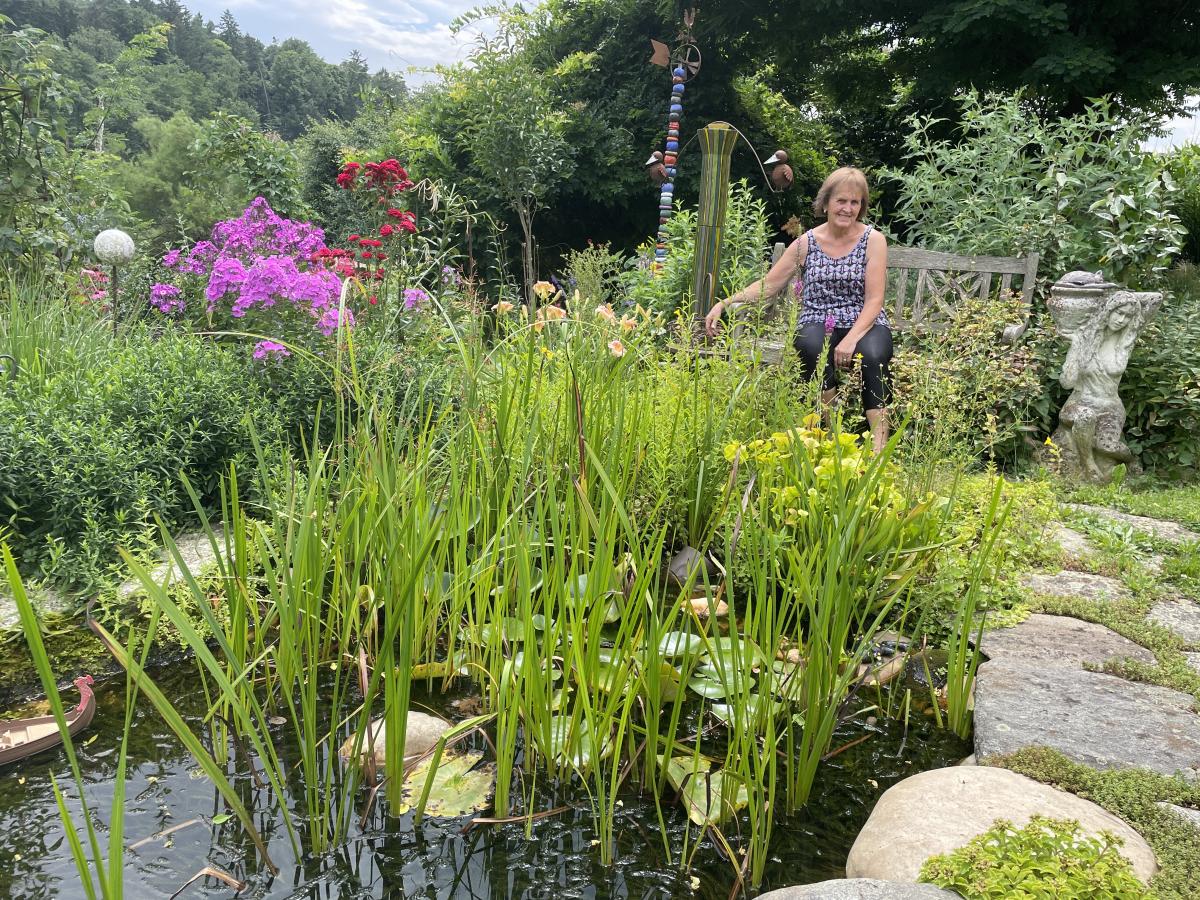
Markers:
point(846, 175)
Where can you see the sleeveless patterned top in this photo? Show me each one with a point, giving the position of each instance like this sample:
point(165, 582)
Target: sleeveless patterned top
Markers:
point(836, 288)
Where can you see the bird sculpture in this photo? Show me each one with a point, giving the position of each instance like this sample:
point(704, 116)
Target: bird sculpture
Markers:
point(655, 169)
point(781, 176)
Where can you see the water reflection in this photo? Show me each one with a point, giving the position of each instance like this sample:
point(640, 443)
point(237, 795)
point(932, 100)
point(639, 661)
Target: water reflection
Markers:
point(170, 806)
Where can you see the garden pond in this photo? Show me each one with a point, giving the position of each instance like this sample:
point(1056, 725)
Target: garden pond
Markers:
point(175, 823)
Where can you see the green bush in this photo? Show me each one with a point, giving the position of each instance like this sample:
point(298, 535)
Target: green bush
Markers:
point(1046, 858)
point(964, 392)
point(92, 454)
point(1079, 190)
point(1184, 166)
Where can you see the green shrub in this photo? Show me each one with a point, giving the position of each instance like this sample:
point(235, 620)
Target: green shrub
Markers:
point(1184, 166)
point(964, 392)
point(1079, 190)
point(1046, 858)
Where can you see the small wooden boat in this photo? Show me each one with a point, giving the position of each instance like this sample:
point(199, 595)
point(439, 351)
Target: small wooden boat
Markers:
point(24, 737)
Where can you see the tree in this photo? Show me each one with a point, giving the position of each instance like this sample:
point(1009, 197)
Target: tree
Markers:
point(120, 93)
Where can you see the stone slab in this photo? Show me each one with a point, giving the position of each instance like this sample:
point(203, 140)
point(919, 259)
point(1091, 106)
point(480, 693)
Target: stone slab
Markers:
point(1077, 584)
point(1061, 641)
point(1193, 660)
point(860, 889)
point(941, 810)
point(1074, 544)
point(1192, 815)
point(1092, 718)
point(1180, 616)
point(197, 553)
point(1160, 528)
point(44, 599)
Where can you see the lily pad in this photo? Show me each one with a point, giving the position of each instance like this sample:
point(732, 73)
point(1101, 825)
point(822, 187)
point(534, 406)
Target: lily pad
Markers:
point(572, 743)
point(461, 785)
point(508, 629)
point(679, 643)
point(710, 797)
point(754, 706)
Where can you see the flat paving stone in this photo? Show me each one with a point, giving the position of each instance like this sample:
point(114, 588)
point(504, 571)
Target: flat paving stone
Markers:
point(1192, 815)
point(1077, 584)
point(1193, 660)
point(1180, 616)
point(1160, 528)
point(1074, 544)
point(197, 553)
point(1092, 718)
point(860, 889)
point(45, 600)
point(1061, 641)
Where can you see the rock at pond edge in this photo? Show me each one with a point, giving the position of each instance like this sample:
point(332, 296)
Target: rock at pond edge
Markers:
point(860, 889)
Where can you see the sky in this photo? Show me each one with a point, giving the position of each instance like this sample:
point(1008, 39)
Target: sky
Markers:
point(391, 34)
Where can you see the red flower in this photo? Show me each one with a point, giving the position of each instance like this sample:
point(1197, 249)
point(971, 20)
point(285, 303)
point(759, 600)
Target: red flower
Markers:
point(353, 237)
point(386, 230)
point(345, 180)
point(366, 254)
point(398, 213)
point(373, 300)
point(371, 242)
point(381, 256)
point(351, 167)
point(407, 225)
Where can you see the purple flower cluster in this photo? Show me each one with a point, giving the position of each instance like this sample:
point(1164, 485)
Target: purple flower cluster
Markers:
point(165, 298)
point(270, 350)
point(414, 297)
point(254, 262)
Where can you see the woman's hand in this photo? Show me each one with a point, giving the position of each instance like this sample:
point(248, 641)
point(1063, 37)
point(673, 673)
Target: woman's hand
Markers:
point(843, 353)
point(712, 321)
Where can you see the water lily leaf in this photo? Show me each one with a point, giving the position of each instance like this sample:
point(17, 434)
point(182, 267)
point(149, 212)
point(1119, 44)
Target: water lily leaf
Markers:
point(572, 743)
point(679, 643)
point(754, 707)
point(460, 785)
point(508, 629)
point(612, 609)
point(670, 681)
point(705, 687)
point(747, 652)
point(710, 797)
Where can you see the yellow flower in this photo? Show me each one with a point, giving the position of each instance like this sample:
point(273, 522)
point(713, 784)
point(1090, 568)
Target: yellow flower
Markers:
point(543, 289)
point(731, 450)
point(1050, 443)
point(547, 352)
point(604, 311)
point(553, 312)
point(503, 307)
point(812, 420)
point(616, 348)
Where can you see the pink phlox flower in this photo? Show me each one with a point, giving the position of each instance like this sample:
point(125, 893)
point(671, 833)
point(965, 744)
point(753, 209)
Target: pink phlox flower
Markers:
point(227, 274)
point(166, 298)
point(329, 321)
point(266, 349)
point(414, 297)
point(171, 259)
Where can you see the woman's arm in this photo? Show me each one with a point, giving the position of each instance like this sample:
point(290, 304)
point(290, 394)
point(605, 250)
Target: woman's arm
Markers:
point(768, 286)
point(876, 278)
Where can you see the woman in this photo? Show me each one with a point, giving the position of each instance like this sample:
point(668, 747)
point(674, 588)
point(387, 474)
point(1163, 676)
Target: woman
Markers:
point(844, 265)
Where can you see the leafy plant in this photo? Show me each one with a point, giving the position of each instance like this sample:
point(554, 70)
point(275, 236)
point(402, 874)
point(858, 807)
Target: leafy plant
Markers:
point(1078, 190)
point(1184, 166)
point(1045, 858)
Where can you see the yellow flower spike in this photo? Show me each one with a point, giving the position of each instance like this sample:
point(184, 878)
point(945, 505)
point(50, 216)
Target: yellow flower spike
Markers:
point(731, 450)
point(812, 420)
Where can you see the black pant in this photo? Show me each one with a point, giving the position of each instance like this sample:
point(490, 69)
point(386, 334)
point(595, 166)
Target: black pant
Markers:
point(875, 347)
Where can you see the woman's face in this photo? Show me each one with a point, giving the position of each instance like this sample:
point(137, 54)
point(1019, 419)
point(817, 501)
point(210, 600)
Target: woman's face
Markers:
point(1120, 317)
point(844, 206)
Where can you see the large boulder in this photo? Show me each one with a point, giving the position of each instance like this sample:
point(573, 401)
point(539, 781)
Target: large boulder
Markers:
point(941, 810)
point(860, 889)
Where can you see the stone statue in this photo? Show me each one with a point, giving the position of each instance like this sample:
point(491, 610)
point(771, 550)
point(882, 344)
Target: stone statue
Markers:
point(1102, 322)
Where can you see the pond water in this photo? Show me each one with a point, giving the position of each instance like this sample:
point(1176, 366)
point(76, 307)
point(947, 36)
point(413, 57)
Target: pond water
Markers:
point(389, 857)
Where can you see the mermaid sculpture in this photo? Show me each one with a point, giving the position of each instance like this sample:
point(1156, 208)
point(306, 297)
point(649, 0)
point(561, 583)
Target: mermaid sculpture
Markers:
point(1103, 323)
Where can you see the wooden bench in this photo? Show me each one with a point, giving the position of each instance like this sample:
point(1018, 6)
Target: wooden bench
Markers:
point(923, 287)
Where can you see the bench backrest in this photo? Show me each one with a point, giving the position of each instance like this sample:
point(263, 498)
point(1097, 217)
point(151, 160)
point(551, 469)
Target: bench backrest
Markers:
point(924, 285)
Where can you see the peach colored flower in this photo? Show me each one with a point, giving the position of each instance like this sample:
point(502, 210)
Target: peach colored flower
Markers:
point(604, 311)
point(616, 348)
point(543, 289)
point(503, 308)
point(628, 323)
point(554, 312)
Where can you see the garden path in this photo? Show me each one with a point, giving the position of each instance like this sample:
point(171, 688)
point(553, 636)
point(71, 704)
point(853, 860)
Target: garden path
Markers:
point(1058, 681)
